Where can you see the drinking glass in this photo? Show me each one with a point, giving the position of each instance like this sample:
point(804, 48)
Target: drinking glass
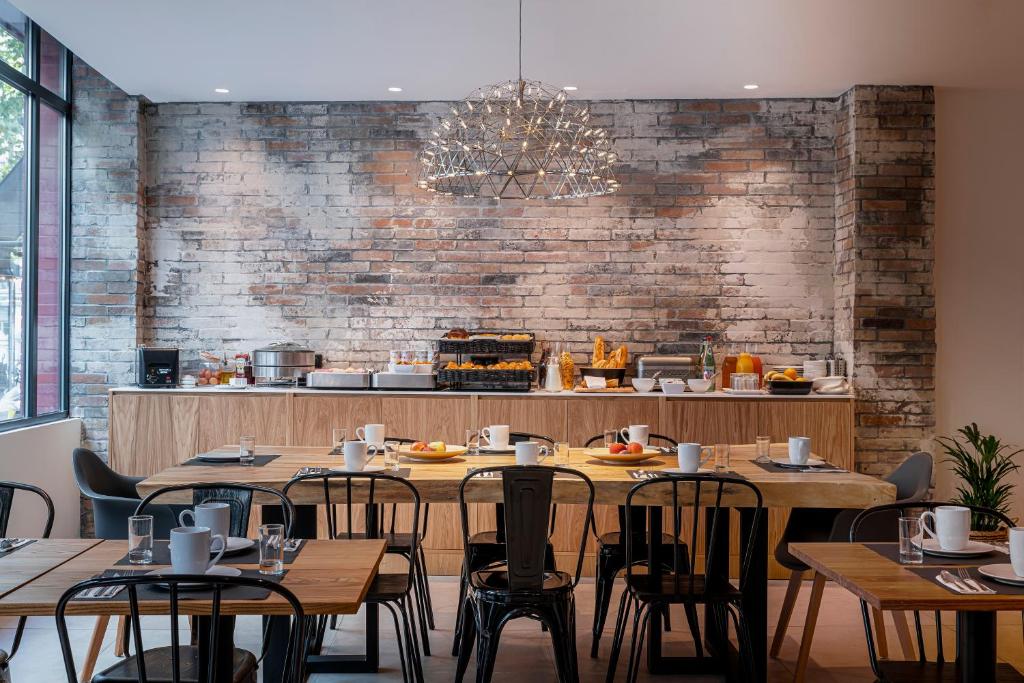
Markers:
point(610, 436)
point(561, 451)
point(246, 450)
point(472, 441)
point(911, 551)
point(272, 549)
point(391, 455)
point(763, 449)
point(140, 539)
point(339, 435)
point(721, 456)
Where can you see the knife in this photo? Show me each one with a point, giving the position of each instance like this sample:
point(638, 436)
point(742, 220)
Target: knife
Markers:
point(955, 587)
point(949, 578)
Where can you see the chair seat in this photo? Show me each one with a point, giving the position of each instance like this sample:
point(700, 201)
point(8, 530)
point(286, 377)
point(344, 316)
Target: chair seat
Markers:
point(396, 543)
point(614, 538)
point(485, 538)
point(497, 581)
point(158, 667)
point(805, 525)
point(676, 589)
point(388, 587)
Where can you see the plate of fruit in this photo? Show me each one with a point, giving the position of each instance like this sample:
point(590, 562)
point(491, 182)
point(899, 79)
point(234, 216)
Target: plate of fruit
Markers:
point(620, 453)
point(431, 451)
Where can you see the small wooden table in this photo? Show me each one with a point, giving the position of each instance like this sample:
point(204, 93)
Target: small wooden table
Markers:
point(35, 559)
point(889, 586)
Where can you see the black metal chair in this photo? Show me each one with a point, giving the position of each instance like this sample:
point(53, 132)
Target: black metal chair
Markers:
point(7, 491)
point(184, 663)
point(611, 558)
point(522, 586)
point(877, 524)
point(487, 548)
point(814, 525)
point(237, 495)
point(366, 496)
point(653, 591)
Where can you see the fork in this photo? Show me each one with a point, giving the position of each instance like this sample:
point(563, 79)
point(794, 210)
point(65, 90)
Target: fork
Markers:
point(965, 577)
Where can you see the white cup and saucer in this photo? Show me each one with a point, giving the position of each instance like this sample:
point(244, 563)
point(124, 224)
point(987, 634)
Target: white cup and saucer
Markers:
point(692, 459)
point(799, 454)
point(946, 532)
point(357, 456)
point(497, 439)
point(531, 453)
point(1012, 572)
point(217, 518)
point(190, 554)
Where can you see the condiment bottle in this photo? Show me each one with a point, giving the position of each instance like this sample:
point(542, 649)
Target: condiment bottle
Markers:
point(552, 374)
point(745, 363)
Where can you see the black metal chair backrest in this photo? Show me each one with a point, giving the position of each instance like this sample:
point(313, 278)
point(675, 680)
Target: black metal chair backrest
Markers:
point(619, 438)
point(371, 491)
point(7, 491)
point(237, 495)
point(703, 495)
point(519, 437)
point(169, 585)
point(399, 439)
point(527, 496)
point(881, 524)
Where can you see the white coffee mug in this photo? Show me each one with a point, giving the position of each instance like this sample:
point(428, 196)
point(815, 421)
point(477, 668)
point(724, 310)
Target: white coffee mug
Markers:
point(214, 516)
point(371, 434)
point(799, 449)
point(950, 525)
point(358, 454)
point(1017, 550)
point(690, 459)
point(640, 434)
point(191, 547)
point(496, 435)
point(530, 453)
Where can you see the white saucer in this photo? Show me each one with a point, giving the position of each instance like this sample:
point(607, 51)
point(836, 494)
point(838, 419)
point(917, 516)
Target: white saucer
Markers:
point(219, 457)
point(1002, 573)
point(216, 570)
point(497, 450)
point(811, 462)
point(678, 470)
point(931, 546)
point(368, 468)
point(236, 544)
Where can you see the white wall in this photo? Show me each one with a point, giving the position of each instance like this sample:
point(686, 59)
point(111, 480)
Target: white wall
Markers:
point(980, 268)
point(42, 456)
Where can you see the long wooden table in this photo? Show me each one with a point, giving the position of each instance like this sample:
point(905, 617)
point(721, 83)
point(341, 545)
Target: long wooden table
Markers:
point(889, 586)
point(438, 482)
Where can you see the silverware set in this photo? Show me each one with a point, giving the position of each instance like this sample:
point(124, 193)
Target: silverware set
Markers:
point(9, 544)
point(310, 470)
point(962, 583)
point(646, 474)
point(102, 592)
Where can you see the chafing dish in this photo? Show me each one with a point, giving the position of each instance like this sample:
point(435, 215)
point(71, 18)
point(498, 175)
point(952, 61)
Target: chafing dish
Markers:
point(282, 361)
point(320, 379)
point(412, 381)
point(678, 366)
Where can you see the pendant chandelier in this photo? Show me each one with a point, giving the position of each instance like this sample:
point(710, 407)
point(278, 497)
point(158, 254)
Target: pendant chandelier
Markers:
point(518, 140)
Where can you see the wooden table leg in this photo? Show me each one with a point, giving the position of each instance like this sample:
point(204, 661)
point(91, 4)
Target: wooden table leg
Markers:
point(796, 579)
point(881, 644)
point(119, 649)
point(95, 643)
point(903, 633)
point(817, 589)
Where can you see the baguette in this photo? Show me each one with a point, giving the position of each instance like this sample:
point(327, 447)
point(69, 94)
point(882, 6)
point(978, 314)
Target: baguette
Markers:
point(598, 351)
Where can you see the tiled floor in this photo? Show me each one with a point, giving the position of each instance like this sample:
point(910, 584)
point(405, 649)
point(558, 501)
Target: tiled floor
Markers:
point(839, 654)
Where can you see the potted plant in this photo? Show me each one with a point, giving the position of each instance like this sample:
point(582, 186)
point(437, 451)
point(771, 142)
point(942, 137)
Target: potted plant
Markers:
point(982, 463)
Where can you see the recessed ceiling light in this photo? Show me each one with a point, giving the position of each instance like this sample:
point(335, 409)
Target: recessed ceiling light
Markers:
point(751, 86)
point(222, 91)
point(570, 88)
point(394, 88)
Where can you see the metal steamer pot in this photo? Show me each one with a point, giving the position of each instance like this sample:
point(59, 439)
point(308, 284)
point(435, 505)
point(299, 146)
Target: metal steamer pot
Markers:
point(282, 361)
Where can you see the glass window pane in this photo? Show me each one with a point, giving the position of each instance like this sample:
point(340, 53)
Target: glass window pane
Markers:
point(13, 219)
point(51, 63)
point(13, 36)
point(50, 271)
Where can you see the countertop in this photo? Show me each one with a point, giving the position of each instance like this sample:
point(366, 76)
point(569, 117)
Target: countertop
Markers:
point(688, 396)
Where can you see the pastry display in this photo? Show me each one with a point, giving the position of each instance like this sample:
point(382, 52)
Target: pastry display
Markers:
point(566, 369)
point(457, 333)
point(502, 365)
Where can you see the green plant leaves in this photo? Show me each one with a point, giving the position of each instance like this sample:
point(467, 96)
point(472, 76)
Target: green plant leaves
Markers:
point(981, 462)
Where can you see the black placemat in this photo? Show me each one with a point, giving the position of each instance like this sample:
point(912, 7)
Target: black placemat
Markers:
point(155, 593)
point(810, 469)
point(11, 552)
point(891, 551)
point(258, 461)
point(402, 472)
point(162, 555)
point(1001, 588)
point(642, 475)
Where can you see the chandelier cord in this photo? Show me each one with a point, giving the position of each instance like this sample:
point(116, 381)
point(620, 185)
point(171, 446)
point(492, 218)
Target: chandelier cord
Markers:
point(520, 40)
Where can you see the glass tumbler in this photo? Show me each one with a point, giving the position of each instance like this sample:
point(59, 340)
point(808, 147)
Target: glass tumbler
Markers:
point(911, 551)
point(339, 435)
point(391, 455)
point(763, 449)
point(140, 539)
point(246, 449)
point(272, 549)
point(472, 441)
point(721, 456)
point(610, 436)
point(561, 451)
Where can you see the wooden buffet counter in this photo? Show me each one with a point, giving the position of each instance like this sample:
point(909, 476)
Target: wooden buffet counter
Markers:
point(151, 430)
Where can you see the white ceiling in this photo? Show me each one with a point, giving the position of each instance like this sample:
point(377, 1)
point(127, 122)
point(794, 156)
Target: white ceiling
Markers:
point(180, 50)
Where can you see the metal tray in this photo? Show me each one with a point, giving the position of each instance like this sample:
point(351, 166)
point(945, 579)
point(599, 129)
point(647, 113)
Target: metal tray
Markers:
point(338, 380)
point(394, 380)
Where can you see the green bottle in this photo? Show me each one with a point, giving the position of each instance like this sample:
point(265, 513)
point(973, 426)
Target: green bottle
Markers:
point(707, 359)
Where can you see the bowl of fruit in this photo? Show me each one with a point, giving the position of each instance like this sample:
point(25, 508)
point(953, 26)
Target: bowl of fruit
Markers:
point(431, 451)
point(788, 382)
point(622, 453)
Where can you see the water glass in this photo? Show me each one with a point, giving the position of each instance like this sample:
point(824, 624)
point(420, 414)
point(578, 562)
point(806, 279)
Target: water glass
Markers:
point(140, 539)
point(721, 456)
point(610, 436)
point(472, 441)
point(391, 455)
point(911, 551)
point(763, 448)
point(246, 450)
point(272, 549)
point(339, 435)
point(561, 454)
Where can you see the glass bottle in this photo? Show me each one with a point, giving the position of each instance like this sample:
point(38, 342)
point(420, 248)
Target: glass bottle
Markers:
point(707, 359)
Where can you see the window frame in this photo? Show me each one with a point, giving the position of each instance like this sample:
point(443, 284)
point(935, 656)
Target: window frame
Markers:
point(37, 94)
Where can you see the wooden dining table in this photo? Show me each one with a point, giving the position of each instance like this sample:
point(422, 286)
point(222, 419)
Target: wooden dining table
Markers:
point(887, 585)
point(438, 482)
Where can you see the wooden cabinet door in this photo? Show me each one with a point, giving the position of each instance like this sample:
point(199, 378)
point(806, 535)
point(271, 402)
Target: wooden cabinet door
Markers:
point(223, 419)
point(829, 423)
point(314, 417)
point(546, 417)
point(149, 433)
point(431, 418)
point(592, 415)
point(710, 421)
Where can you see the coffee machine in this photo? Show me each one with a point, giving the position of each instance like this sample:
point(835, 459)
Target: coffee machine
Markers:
point(156, 367)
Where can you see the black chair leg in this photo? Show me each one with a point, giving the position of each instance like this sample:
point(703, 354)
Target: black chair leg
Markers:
point(467, 635)
point(410, 636)
point(420, 610)
point(560, 625)
point(487, 637)
point(636, 645)
point(625, 602)
point(605, 582)
point(666, 616)
point(694, 622)
point(403, 655)
point(422, 569)
point(459, 616)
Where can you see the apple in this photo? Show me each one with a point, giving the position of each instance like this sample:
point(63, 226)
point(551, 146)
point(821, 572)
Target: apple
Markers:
point(616, 448)
point(635, 448)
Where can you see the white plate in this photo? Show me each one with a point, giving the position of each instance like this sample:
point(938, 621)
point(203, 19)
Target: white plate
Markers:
point(974, 549)
point(811, 462)
point(744, 392)
point(216, 570)
point(1002, 573)
point(368, 468)
point(677, 470)
point(236, 544)
point(218, 457)
point(497, 450)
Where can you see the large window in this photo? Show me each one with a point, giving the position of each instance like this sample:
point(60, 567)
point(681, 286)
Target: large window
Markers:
point(34, 134)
